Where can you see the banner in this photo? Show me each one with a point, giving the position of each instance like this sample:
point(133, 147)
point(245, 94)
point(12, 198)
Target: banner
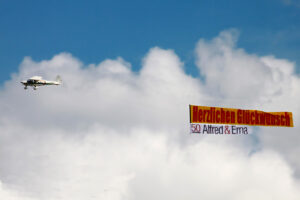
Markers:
point(220, 129)
point(231, 116)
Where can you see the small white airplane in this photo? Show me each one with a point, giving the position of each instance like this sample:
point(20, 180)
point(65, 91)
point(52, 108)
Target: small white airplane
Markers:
point(36, 81)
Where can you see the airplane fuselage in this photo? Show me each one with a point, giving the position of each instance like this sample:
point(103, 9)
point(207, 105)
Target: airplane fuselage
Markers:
point(38, 81)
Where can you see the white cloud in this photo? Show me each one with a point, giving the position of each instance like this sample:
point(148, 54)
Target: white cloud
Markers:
point(8, 194)
point(111, 133)
point(252, 82)
point(232, 74)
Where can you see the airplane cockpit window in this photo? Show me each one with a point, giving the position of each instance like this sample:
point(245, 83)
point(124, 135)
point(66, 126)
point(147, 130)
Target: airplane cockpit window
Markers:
point(30, 81)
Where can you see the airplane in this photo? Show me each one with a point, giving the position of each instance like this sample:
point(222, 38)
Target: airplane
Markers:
point(36, 81)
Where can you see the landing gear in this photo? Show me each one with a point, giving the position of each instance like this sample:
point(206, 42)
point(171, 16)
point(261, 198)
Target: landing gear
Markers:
point(25, 88)
point(34, 87)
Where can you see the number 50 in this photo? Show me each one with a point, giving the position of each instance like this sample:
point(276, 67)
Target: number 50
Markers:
point(195, 128)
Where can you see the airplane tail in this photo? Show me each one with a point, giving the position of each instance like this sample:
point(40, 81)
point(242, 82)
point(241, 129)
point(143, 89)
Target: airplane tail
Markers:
point(58, 79)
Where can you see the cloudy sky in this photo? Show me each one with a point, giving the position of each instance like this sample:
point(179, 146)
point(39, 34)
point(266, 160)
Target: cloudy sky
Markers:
point(118, 127)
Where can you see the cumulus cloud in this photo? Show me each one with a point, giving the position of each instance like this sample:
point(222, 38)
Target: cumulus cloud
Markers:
point(233, 74)
point(236, 78)
point(112, 133)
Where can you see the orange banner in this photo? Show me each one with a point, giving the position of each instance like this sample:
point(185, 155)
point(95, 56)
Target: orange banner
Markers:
point(216, 115)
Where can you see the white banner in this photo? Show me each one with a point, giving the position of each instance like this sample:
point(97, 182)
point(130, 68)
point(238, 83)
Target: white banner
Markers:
point(217, 129)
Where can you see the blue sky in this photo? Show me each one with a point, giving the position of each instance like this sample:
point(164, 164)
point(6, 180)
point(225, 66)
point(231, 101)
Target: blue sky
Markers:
point(95, 30)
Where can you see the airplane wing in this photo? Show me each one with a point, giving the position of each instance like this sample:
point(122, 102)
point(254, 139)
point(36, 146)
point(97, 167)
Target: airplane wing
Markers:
point(36, 78)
